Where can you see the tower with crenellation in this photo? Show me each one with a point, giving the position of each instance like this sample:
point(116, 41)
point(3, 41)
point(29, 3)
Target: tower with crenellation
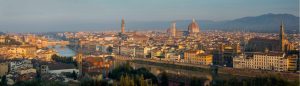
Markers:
point(123, 26)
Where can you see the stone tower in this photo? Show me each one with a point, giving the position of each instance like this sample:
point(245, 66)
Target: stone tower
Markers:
point(123, 26)
point(79, 61)
point(173, 29)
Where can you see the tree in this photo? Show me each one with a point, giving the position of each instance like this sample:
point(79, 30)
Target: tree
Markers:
point(109, 49)
point(38, 75)
point(4, 81)
point(197, 81)
point(181, 84)
point(142, 81)
point(126, 81)
point(35, 82)
point(122, 71)
point(62, 59)
point(74, 75)
point(164, 79)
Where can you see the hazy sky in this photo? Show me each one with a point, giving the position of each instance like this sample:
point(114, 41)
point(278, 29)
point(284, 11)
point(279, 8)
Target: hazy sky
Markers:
point(60, 15)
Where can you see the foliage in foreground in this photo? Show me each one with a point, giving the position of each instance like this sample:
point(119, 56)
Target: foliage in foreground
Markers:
point(257, 81)
point(93, 82)
point(40, 83)
point(128, 76)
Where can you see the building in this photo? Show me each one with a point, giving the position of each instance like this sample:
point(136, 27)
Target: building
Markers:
point(16, 66)
point(129, 51)
point(44, 69)
point(2, 38)
point(60, 71)
point(172, 30)
point(293, 62)
point(193, 28)
point(27, 71)
point(277, 61)
point(3, 69)
point(123, 26)
point(79, 62)
point(21, 51)
point(46, 55)
point(50, 68)
point(198, 57)
point(97, 67)
point(171, 56)
point(225, 54)
point(137, 38)
point(284, 43)
point(261, 44)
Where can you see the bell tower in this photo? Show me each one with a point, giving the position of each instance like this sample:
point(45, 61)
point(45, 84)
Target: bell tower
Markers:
point(282, 37)
point(173, 29)
point(79, 60)
point(123, 25)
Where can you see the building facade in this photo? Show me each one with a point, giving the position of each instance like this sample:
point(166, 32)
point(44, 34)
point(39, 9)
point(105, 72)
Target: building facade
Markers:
point(225, 54)
point(261, 44)
point(122, 25)
point(277, 61)
point(3, 69)
point(198, 57)
point(172, 30)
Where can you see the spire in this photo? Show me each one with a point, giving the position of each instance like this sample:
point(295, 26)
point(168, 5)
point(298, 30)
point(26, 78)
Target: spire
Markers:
point(282, 24)
point(282, 37)
point(281, 30)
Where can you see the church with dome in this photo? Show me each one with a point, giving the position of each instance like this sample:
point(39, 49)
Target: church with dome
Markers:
point(193, 27)
point(193, 30)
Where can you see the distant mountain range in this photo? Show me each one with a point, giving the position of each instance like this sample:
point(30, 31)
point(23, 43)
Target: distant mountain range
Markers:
point(2, 33)
point(262, 23)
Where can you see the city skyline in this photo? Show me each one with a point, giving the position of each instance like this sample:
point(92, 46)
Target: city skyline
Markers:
point(149, 43)
point(34, 15)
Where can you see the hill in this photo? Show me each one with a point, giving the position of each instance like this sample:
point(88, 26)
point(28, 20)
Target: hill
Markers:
point(262, 23)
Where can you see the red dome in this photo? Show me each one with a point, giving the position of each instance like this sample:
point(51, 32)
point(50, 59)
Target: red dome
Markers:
point(194, 27)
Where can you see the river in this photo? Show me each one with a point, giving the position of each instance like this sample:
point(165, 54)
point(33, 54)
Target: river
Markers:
point(63, 51)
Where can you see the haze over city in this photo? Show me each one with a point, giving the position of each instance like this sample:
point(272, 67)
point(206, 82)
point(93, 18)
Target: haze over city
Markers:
point(101, 15)
point(149, 43)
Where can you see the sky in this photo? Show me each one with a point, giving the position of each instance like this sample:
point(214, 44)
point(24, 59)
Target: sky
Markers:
point(68, 15)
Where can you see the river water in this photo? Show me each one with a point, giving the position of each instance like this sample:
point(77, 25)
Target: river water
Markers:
point(64, 51)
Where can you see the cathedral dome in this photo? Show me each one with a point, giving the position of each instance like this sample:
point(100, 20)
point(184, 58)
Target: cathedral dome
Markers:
point(193, 27)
